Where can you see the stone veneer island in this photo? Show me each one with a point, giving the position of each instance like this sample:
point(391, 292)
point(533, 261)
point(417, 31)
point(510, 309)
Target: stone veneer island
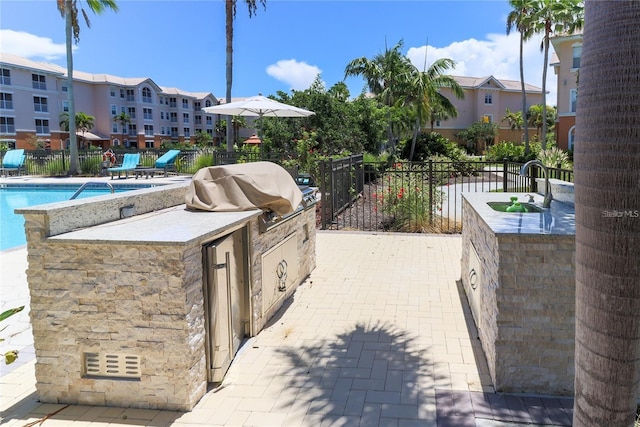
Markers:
point(518, 271)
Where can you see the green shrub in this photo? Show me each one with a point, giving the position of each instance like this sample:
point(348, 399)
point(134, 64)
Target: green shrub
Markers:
point(203, 160)
point(90, 165)
point(554, 157)
point(505, 151)
point(432, 144)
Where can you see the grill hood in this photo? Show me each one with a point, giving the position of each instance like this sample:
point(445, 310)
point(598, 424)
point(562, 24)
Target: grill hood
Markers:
point(241, 187)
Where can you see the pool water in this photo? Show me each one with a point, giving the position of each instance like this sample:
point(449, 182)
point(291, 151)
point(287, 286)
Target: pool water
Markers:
point(12, 225)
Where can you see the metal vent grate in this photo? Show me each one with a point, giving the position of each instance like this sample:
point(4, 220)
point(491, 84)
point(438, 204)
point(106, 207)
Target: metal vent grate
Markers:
point(112, 365)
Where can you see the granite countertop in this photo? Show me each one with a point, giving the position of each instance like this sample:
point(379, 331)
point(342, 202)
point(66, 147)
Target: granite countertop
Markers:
point(560, 219)
point(171, 226)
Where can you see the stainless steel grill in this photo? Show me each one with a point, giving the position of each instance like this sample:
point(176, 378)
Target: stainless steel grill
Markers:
point(270, 219)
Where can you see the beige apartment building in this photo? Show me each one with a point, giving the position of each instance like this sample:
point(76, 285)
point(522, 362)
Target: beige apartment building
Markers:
point(487, 99)
point(566, 65)
point(33, 95)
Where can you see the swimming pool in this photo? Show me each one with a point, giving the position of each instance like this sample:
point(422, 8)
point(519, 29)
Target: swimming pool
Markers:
point(20, 196)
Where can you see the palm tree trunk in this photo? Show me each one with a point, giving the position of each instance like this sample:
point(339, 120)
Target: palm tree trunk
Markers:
point(229, 8)
point(543, 137)
point(607, 175)
point(524, 96)
point(74, 168)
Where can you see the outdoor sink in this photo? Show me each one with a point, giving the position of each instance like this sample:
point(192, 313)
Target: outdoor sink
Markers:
point(502, 207)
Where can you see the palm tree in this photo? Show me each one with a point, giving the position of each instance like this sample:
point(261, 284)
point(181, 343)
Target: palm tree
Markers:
point(518, 18)
point(547, 17)
point(424, 94)
point(238, 122)
point(84, 123)
point(69, 11)
point(514, 118)
point(607, 155)
point(388, 77)
point(230, 14)
point(123, 119)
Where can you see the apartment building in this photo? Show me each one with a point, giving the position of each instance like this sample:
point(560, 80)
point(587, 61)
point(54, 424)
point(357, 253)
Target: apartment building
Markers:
point(487, 99)
point(33, 96)
point(566, 65)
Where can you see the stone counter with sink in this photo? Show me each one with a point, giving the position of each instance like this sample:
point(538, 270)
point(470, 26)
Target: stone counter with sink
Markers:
point(518, 271)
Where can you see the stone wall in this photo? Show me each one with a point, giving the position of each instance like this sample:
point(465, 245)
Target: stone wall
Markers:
point(527, 297)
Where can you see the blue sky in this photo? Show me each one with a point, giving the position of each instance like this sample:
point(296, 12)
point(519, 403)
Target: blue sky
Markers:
point(181, 43)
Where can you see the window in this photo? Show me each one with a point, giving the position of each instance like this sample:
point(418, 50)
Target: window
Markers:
point(112, 91)
point(6, 101)
point(161, 98)
point(573, 99)
point(38, 81)
point(5, 77)
point(161, 115)
point(42, 126)
point(572, 137)
point(198, 120)
point(131, 97)
point(7, 125)
point(148, 113)
point(114, 110)
point(487, 118)
point(173, 102)
point(122, 93)
point(40, 104)
point(114, 127)
point(132, 112)
point(196, 105)
point(65, 88)
point(207, 103)
point(174, 117)
point(148, 143)
point(185, 118)
point(162, 130)
point(65, 106)
point(488, 98)
point(210, 132)
point(133, 129)
point(187, 132)
point(123, 109)
point(174, 132)
point(146, 95)
point(209, 121)
point(185, 103)
point(148, 130)
point(577, 53)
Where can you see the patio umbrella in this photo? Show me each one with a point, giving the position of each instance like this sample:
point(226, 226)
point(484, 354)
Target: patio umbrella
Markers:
point(253, 139)
point(258, 106)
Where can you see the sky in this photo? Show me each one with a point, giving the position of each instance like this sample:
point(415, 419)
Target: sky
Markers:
point(181, 43)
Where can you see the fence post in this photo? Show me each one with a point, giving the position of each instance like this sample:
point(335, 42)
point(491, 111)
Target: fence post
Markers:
point(505, 170)
point(431, 181)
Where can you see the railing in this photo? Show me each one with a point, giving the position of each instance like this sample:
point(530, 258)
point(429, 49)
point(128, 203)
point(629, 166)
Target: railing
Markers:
point(410, 196)
point(92, 184)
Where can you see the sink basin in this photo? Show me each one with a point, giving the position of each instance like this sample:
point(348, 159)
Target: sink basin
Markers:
point(502, 207)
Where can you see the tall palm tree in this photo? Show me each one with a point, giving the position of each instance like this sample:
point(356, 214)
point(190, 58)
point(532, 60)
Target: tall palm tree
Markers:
point(607, 156)
point(387, 75)
point(552, 17)
point(122, 119)
point(425, 97)
point(69, 11)
point(519, 19)
point(84, 123)
point(230, 14)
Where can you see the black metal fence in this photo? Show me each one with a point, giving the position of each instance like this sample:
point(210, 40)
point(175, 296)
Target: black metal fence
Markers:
point(410, 196)
point(56, 162)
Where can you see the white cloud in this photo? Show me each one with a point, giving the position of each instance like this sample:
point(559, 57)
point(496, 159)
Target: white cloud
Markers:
point(299, 75)
point(30, 46)
point(497, 55)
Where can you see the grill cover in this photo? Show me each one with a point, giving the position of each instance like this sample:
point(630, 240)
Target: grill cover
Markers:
point(242, 187)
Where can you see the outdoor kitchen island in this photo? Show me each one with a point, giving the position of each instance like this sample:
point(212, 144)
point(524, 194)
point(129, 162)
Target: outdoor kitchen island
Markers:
point(144, 311)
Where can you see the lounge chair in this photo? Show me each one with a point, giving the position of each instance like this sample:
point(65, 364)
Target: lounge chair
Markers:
point(129, 164)
point(165, 164)
point(13, 161)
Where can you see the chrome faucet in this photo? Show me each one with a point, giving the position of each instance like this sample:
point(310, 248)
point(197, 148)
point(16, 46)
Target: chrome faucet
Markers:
point(547, 187)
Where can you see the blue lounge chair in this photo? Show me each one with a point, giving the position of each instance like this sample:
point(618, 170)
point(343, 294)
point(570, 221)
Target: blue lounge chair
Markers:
point(129, 164)
point(13, 161)
point(165, 164)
